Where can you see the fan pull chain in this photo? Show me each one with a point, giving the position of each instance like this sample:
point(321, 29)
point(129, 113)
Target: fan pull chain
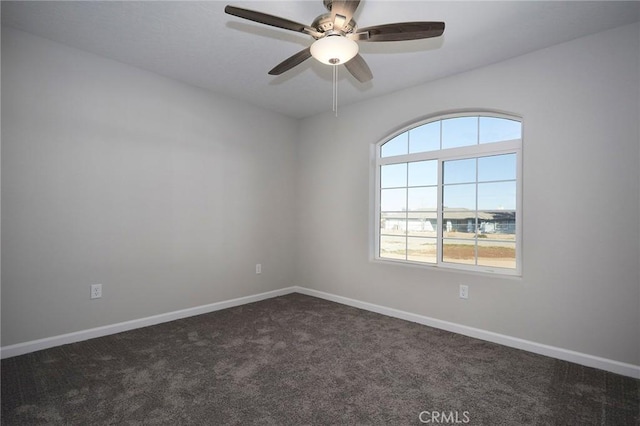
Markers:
point(335, 89)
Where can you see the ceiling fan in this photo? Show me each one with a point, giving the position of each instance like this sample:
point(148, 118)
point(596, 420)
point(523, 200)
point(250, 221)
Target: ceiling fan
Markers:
point(336, 34)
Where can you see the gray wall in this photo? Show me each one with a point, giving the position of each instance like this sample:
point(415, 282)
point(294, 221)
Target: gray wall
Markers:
point(580, 288)
point(164, 193)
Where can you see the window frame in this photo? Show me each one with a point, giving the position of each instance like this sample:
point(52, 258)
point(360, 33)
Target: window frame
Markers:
point(478, 150)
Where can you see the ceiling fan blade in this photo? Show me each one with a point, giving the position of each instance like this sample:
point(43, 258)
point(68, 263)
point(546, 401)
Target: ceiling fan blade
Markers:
point(344, 8)
point(402, 31)
point(359, 69)
point(274, 21)
point(291, 62)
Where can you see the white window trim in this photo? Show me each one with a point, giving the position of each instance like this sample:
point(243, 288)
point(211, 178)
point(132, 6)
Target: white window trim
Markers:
point(480, 150)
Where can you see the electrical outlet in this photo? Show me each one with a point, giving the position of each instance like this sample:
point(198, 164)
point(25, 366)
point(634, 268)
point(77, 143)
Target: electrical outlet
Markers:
point(258, 268)
point(96, 291)
point(464, 291)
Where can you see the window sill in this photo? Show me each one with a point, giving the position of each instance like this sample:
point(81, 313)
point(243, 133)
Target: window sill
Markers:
point(444, 267)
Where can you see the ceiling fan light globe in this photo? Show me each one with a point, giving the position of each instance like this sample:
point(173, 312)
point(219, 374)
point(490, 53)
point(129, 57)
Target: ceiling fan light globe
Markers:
point(334, 50)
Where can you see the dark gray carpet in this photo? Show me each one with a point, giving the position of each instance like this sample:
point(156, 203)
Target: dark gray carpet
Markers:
point(301, 360)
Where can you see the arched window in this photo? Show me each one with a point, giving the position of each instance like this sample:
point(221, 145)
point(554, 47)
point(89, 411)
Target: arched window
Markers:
point(448, 193)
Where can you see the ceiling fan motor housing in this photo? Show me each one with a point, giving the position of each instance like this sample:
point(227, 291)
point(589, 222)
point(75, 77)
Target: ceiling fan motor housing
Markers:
point(324, 24)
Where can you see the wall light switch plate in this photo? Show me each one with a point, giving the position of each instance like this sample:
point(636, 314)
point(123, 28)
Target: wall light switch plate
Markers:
point(258, 268)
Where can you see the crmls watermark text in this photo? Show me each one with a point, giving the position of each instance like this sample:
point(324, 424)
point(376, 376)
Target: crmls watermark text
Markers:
point(447, 417)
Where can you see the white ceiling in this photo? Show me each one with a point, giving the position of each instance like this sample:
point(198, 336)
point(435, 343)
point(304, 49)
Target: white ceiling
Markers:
point(196, 42)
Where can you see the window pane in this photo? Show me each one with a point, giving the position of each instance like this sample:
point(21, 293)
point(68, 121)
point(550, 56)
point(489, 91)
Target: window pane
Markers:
point(423, 198)
point(396, 146)
point(459, 197)
point(459, 251)
point(423, 173)
point(393, 175)
point(393, 223)
point(393, 200)
point(425, 138)
point(422, 224)
point(459, 171)
point(497, 167)
point(461, 131)
point(422, 250)
point(393, 247)
point(497, 196)
point(499, 129)
point(499, 254)
point(459, 224)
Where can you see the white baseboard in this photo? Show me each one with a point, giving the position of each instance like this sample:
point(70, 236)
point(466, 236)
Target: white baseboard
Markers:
point(617, 367)
point(78, 336)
